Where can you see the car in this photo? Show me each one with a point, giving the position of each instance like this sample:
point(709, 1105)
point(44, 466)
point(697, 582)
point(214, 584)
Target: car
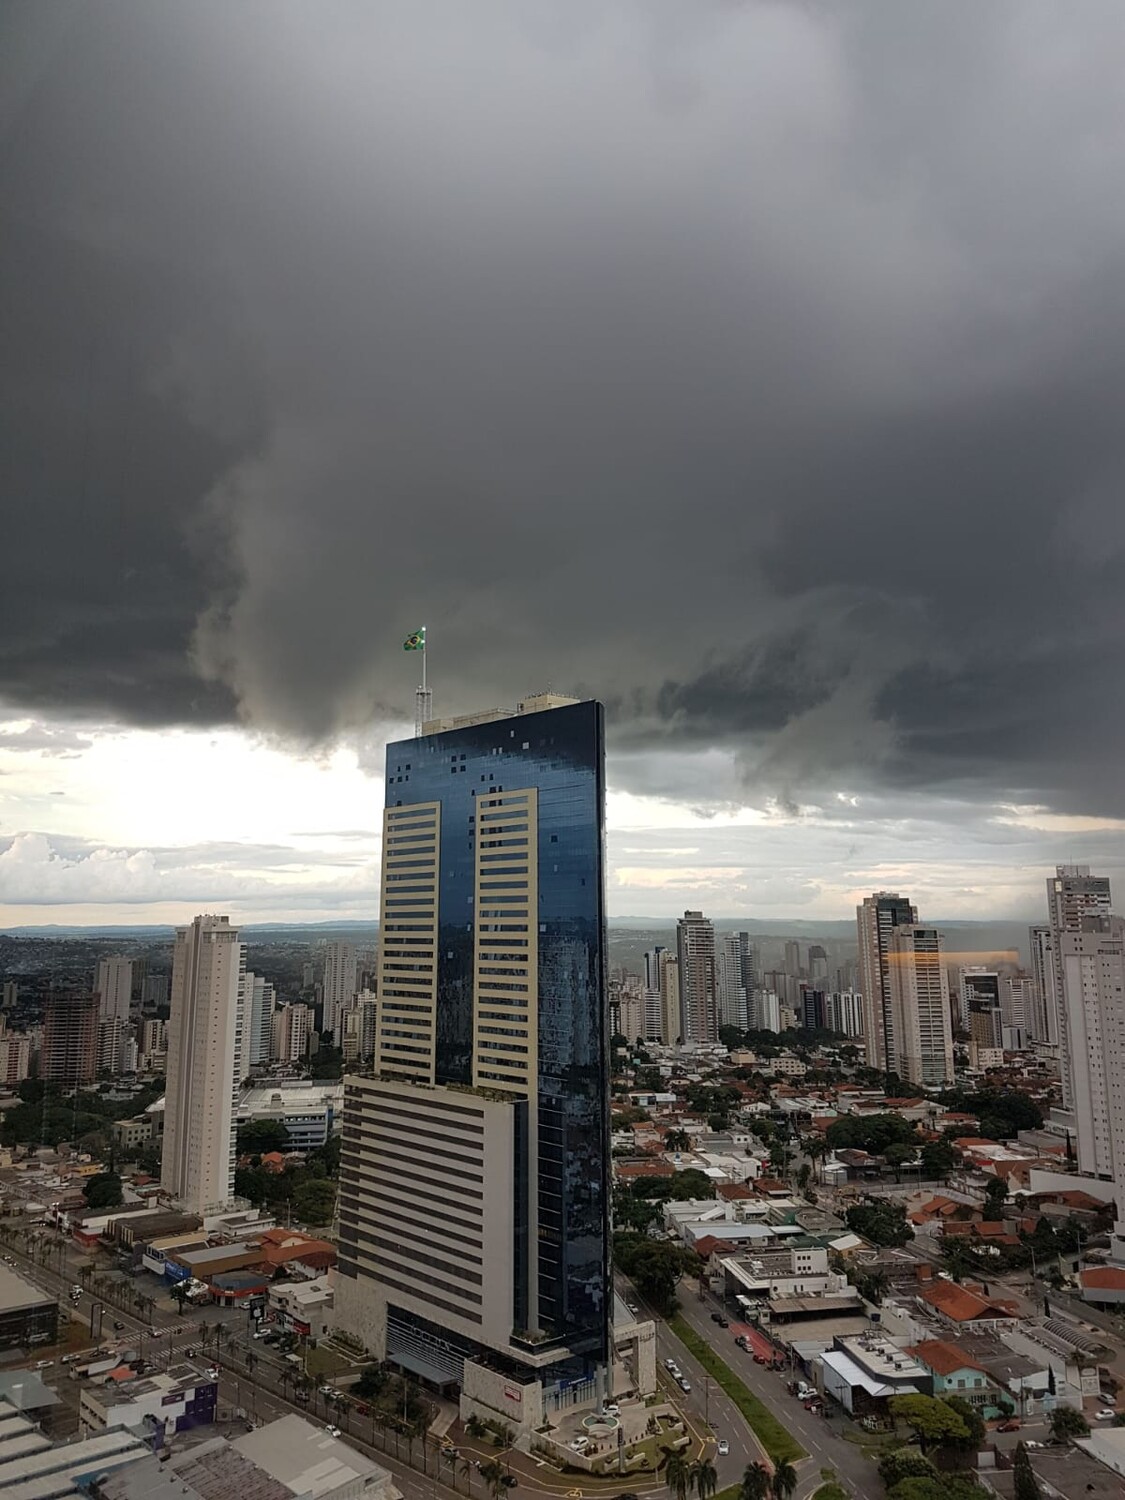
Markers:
point(258, 1335)
point(44, 1364)
point(669, 1364)
point(327, 1390)
point(576, 1445)
point(633, 1308)
point(213, 1373)
point(117, 1327)
point(724, 1447)
point(509, 1481)
point(1031, 1443)
point(332, 1431)
point(685, 1385)
point(1106, 1414)
point(1011, 1425)
point(76, 1290)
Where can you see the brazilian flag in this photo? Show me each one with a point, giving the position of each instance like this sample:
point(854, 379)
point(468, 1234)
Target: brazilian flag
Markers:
point(415, 642)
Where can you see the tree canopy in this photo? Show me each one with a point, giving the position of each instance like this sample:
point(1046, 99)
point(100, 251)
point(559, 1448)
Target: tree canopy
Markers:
point(874, 1134)
point(103, 1190)
point(882, 1222)
point(257, 1137)
point(933, 1421)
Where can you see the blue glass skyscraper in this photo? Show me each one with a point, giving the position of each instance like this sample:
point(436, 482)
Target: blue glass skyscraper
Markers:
point(474, 1201)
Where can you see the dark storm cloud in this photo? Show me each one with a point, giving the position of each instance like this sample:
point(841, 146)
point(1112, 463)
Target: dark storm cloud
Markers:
point(756, 367)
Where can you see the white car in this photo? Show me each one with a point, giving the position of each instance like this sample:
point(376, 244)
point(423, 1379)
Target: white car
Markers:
point(684, 1385)
point(612, 1410)
point(332, 1431)
point(724, 1447)
point(1106, 1414)
point(669, 1364)
point(578, 1445)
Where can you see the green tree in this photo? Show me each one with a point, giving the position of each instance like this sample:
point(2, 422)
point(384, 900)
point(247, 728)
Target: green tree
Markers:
point(897, 1154)
point(932, 1421)
point(874, 1134)
point(103, 1190)
point(1067, 1423)
point(677, 1140)
point(904, 1463)
point(880, 1221)
point(677, 1474)
point(704, 1478)
point(938, 1160)
point(315, 1201)
point(940, 1487)
point(257, 1137)
point(755, 1482)
point(374, 1381)
point(974, 1423)
point(493, 1474)
point(784, 1480)
point(1026, 1485)
point(994, 1195)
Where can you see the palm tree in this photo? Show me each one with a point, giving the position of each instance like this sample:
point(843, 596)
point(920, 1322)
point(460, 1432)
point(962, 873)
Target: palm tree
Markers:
point(755, 1482)
point(493, 1475)
point(677, 1474)
point(677, 1140)
point(784, 1480)
point(466, 1467)
point(704, 1478)
point(474, 1427)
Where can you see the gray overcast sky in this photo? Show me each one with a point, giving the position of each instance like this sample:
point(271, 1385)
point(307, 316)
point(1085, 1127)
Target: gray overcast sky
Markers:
point(755, 366)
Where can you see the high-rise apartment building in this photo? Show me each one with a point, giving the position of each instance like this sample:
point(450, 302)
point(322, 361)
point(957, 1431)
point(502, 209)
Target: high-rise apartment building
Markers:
point(670, 1018)
point(205, 1045)
point(15, 1058)
point(736, 977)
point(258, 1004)
point(1043, 1023)
point(11, 994)
point(845, 1013)
point(818, 966)
point(70, 1039)
point(979, 1004)
point(340, 967)
point(474, 1194)
point(920, 1018)
point(1092, 963)
point(1073, 895)
point(114, 987)
point(1017, 1006)
point(793, 960)
point(695, 952)
point(290, 1030)
point(876, 919)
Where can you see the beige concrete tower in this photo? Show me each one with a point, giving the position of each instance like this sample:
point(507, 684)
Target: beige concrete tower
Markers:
point(204, 1046)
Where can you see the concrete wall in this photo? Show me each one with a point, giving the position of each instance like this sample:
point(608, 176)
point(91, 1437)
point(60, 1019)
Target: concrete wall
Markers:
point(494, 1398)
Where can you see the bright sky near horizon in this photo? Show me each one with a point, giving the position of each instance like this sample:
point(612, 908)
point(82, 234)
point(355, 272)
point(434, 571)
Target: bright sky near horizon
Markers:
point(103, 825)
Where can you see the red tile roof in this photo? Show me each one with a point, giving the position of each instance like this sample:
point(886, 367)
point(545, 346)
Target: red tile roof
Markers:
point(1104, 1278)
point(959, 1304)
point(732, 1192)
point(942, 1357)
point(646, 1169)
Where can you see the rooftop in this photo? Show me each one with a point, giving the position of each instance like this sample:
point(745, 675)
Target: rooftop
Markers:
point(303, 1456)
point(16, 1293)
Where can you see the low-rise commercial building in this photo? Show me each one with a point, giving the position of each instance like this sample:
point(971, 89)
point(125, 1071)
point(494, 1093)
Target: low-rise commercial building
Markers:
point(305, 1307)
point(175, 1399)
point(290, 1459)
point(310, 1111)
point(863, 1372)
point(28, 1316)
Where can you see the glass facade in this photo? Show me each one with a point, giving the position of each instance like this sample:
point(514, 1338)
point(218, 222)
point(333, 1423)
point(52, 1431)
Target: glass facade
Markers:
point(562, 1236)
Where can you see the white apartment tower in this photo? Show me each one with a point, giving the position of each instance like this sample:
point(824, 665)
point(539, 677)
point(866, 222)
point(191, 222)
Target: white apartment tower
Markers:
point(114, 987)
point(876, 919)
point(259, 1007)
point(695, 949)
point(204, 1046)
point(920, 1010)
point(340, 969)
point(1073, 895)
point(735, 979)
point(1043, 1022)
